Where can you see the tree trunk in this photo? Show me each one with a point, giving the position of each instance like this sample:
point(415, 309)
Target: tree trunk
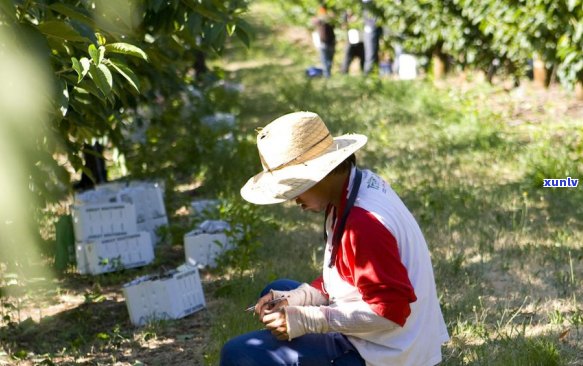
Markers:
point(579, 90)
point(539, 72)
point(553, 76)
point(438, 60)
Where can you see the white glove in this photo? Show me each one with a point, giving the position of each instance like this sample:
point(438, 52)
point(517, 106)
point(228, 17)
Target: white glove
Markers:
point(304, 319)
point(304, 295)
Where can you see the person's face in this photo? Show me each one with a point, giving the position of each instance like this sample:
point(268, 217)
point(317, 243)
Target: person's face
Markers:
point(315, 199)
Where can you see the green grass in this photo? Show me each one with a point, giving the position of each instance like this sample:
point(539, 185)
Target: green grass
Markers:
point(506, 252)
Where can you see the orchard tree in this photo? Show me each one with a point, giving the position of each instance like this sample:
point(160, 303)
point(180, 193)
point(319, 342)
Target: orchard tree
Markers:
point(109, 57)
point(103, 61)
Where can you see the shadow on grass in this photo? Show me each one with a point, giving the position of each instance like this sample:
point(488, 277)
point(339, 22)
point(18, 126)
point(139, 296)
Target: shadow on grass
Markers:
point(103, 330)
point(70, 329)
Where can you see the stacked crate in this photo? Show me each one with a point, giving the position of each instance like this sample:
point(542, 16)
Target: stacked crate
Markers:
point(105, 238)
point(115, 226)
point(150, 209)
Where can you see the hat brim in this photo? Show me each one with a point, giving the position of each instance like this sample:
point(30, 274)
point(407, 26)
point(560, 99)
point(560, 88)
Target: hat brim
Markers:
point(289, 182)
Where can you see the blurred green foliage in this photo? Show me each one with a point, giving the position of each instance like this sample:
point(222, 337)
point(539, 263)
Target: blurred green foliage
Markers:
point(121, 73)
point(108, 59)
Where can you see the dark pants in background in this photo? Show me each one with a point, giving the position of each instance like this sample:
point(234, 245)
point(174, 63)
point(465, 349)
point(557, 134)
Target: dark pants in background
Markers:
point(351, 52)
point(371, 48)
point(327, 57)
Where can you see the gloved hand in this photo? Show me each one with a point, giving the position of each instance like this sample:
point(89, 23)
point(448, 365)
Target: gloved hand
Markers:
point(264, 306)
point(291, 322)
point(304, 319)
point(275, 321)
point(302, 296)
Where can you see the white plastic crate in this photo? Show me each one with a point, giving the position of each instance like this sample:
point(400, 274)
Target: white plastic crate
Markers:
point(81, 258)
point(202, 249)
point(172, 295)
point(148, 200)
point(148, 197)
point(151, 226)
point(140, 183)
point(114, 254)
point(407, 67)
point(99, 220)
point(98, 195)
point(203, 245)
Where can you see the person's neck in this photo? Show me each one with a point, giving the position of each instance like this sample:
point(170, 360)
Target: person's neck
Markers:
point(337, 187)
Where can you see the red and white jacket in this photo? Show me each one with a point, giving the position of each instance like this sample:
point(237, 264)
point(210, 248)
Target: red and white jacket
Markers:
point(383, 265)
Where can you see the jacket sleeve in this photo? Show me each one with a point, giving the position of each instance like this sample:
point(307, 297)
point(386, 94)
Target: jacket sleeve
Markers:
point(369, 259)
point(318, 283)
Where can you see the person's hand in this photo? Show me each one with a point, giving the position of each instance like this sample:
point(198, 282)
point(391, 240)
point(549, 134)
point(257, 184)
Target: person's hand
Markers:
point(275, 321)
point(262, 306)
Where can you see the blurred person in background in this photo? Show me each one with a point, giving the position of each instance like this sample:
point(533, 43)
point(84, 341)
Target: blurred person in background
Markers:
point(372, 35)
point(354, 45)
point(327, 39)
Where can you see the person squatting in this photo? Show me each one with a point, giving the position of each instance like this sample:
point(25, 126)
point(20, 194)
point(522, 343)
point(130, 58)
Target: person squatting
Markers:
point(376, 302)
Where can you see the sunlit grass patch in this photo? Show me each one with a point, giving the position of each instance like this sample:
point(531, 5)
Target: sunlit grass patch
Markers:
point(512, 351)
point(556, 159)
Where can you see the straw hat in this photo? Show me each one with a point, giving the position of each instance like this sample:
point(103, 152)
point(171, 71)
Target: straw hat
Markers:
point(296, 151)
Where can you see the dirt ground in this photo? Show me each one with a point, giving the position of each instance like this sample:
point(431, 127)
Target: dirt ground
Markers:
point(52, 320)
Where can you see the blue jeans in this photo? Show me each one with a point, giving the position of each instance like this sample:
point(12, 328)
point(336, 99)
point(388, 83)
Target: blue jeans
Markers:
point(371, 48)
point(261, 348)
point(327, 57)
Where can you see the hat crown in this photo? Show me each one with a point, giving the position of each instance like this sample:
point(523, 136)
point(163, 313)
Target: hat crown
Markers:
point(292, 139)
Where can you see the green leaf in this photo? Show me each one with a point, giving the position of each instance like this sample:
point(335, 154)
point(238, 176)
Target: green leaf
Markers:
point(243, 36)
point(88, 87)
point(244, 32)
point(211, 33)
point(77, 68)
point(96, 54)
point(102, 78)
point(194, 24)
point(101, 50)
point(88, 173)
point(85, 64)
point(100, 39)
point(102, 336)
point(126, 49)
point(127, 73)
point(209, 13)
point(72, 13)
point(63, 98)
point(81, 67)
point(84, 30)
point(61, 29)
point(231, 29)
